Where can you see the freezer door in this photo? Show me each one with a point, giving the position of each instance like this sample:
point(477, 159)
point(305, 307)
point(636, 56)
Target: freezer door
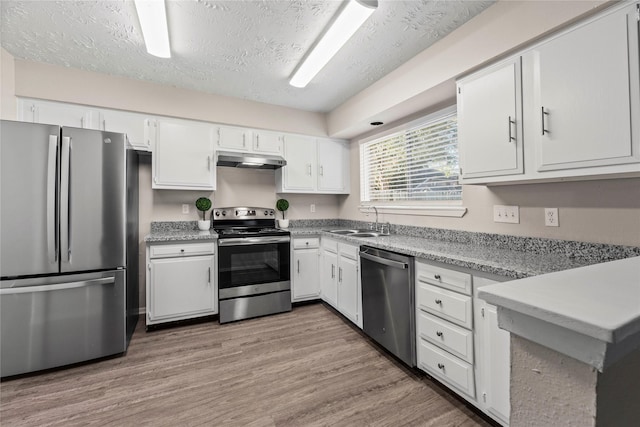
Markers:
point(51, 322)
point(28, 185)
point(92, 200)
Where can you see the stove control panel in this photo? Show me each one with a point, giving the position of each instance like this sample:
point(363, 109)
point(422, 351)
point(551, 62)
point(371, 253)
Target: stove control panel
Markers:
point(244, 213)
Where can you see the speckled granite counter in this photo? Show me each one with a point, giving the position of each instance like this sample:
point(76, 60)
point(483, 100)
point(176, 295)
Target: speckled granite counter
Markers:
point(177, 231)
point(507, 256)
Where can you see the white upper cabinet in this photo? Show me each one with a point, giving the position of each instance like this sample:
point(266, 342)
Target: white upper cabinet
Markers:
point(267, 142)
point(299, 175)
point(565, 108)
point(58, 113)
point(133, 124)
point(183, 155)
point(582, 92)
point(314, 165)
point(333, 166)
point(490, 121)
point(234, 139)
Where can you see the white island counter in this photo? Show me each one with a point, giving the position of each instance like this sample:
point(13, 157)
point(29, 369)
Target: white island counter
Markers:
point(575, 344)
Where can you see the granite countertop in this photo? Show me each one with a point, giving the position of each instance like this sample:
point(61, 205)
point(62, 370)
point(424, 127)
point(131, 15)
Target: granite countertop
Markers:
point(507, 256)
point(177, 231)
point(499, 258)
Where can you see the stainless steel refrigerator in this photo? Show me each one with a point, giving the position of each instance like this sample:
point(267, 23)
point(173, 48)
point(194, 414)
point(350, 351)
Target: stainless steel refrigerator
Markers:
point(68, 245)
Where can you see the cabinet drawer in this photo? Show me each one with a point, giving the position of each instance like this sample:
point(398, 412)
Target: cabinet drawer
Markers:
point(312, 242)
point(446, 367)
point(184, 249)
point(454, 339)
point(449, 305)
point(330, 245)
point(349, 251)
point(450, 279)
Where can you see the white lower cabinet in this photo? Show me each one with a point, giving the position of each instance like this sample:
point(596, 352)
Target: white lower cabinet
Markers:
point(181, 281)
point(444, 327)
point(305, 281)
point(458, 340)
point(494, 358)
point(340, 279)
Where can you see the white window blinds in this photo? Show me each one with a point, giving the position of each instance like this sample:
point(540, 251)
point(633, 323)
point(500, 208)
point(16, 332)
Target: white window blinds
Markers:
point(419, 163)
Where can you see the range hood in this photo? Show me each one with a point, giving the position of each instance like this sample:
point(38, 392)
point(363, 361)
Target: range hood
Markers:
point(250, 160)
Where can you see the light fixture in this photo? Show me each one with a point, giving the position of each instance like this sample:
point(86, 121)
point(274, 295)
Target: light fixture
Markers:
point(350, 18)
point(153, 20)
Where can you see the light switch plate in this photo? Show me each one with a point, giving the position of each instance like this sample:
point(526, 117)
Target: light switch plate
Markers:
point(185, 208)
point(508, 214)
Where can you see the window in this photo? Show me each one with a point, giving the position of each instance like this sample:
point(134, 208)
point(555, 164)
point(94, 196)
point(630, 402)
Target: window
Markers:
point(419, 163)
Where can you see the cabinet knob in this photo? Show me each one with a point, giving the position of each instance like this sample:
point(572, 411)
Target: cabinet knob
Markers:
point(439, 333)
point(437, 277)
point(182, 250)
point(439, 301)
point(440, 366)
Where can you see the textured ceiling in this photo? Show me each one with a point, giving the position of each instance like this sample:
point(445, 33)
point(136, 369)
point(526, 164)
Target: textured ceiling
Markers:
point(243, 49)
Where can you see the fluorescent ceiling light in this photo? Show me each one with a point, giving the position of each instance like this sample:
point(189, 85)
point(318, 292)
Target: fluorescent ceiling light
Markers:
point(351, 17)
point(153, 20)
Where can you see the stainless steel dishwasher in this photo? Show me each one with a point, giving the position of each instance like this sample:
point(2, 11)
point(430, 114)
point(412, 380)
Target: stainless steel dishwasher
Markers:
point(388, 309)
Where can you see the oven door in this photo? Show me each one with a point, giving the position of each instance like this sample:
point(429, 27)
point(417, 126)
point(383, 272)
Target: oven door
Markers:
point(253, 265)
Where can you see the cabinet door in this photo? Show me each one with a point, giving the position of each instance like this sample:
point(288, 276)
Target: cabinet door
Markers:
point(57, 113)
point(493, 359)
point(267, 142)
point(497, 365)
point(348, 288)
point(329, 278)
point(125, 122)
point(586, 95)
point(181, 287)
point(235, 139)
point(306, 283)
point(299, 175)
point(183, 156)
point(490, 121)
point(333, 166)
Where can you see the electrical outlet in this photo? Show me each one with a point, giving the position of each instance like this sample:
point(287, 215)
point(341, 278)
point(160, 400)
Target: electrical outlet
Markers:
point(551, 217)
point(509, 214)
point(312, 208)
point(185, 208)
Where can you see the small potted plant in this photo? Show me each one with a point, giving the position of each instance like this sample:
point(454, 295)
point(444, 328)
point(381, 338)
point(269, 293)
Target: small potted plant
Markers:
point(203, 204)
point(282, 205)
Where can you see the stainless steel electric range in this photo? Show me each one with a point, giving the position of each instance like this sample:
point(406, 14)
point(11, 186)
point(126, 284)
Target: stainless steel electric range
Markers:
point(253, 263)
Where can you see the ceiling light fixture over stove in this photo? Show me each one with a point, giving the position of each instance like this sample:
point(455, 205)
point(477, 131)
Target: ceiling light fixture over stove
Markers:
point(352, 15)
point(152, 15)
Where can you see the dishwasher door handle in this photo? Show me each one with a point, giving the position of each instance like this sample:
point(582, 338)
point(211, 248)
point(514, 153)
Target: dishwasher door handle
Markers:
point(390, 263)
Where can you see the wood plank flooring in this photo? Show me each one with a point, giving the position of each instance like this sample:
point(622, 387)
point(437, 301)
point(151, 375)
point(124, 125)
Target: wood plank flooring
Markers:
point(303, 368)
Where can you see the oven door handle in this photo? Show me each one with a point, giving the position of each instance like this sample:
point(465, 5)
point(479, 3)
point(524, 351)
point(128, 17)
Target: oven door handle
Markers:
point(240, 241)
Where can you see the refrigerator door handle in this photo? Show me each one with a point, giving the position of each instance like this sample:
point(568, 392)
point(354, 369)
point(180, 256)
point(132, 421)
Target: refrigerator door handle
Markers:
point(57, 287)
point(65, 200)
point(52, 243)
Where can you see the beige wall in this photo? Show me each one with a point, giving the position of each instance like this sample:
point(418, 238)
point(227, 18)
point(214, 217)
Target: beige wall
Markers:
point(56, 83)
point(603, 211)
point(7, 86)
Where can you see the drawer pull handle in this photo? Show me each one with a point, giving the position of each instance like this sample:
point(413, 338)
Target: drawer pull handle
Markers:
point(439, 333)
point(439, 301)
point(437, 277)
point(440, 366)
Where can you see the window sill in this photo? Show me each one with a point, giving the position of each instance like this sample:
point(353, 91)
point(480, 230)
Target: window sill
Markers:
point(448, 211)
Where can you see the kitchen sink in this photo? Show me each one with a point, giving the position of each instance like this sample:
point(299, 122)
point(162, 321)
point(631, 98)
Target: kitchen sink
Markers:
point(345, 231)
point(368, 234)
point(358, 233)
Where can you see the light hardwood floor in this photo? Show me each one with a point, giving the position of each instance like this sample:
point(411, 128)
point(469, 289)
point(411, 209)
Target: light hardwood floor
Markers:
point(303, 368)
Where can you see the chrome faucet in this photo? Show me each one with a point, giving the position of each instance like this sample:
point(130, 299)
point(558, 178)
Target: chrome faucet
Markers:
point(376, 210)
